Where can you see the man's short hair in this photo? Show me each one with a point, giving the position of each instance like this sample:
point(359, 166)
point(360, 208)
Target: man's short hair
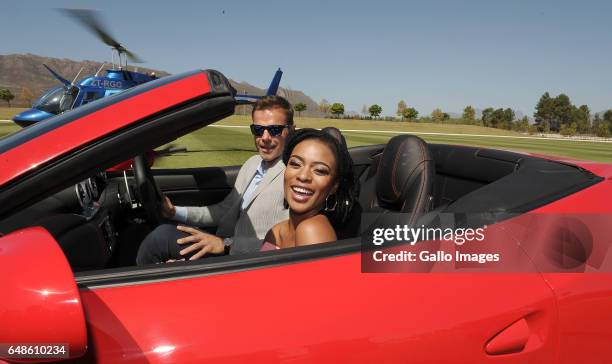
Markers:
point(275, 102)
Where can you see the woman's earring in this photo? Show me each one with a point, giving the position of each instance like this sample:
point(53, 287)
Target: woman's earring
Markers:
point(333, 208)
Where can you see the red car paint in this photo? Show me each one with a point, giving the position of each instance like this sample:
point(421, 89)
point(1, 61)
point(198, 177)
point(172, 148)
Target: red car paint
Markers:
point(40, 304)
point(321, 311)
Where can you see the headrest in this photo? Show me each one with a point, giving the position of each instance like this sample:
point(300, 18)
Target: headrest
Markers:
point(405, 164)
point(336, 133)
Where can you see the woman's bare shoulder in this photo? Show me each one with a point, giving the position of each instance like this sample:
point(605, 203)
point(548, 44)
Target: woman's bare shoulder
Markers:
point(315, 230)
point(273, 235)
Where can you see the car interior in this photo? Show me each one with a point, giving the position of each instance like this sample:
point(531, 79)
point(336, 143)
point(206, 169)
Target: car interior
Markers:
point(100, 222)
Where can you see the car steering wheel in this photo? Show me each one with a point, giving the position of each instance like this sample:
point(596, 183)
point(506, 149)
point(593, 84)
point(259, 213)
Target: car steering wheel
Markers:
point(148, 193)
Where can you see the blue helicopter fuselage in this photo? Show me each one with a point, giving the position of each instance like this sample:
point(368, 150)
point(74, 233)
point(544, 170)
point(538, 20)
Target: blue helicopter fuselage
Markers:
point(63, 98)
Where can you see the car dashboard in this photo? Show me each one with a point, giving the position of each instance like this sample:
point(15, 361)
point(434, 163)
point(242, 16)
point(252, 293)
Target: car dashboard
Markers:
point(86, 219)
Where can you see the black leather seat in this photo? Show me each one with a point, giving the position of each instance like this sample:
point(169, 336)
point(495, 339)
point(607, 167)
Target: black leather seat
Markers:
point(336, 133)
point(400, 180)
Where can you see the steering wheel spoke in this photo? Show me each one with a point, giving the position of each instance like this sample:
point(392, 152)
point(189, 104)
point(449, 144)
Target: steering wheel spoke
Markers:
point(148, 193)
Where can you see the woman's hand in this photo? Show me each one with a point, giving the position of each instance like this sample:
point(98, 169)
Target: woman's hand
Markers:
point(203, 243)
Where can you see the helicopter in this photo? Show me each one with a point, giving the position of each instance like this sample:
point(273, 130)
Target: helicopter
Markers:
point(70, 95)
point(74, 94)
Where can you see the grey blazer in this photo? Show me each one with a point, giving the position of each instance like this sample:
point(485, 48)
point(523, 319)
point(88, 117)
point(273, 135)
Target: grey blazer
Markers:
point(247, 227)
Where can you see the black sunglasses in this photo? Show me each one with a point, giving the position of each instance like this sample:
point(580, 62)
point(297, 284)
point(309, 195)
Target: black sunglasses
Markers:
point(273, 130)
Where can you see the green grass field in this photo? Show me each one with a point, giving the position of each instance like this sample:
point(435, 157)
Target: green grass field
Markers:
point(214, 146)
point(231, 146)
point(8, 113)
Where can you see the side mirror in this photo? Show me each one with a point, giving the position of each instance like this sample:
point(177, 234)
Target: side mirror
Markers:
point(40, 302)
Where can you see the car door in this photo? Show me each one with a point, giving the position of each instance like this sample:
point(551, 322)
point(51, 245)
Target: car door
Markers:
point(196, 186)
point(307, 305)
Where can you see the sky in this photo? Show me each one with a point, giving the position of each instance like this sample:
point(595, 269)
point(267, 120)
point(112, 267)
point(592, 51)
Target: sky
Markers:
point(431, 54)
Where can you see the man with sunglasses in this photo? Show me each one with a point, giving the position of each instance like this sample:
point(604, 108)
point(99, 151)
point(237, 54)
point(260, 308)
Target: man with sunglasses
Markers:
point(253, 206)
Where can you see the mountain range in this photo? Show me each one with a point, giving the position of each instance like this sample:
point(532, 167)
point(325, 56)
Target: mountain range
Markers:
point(28, 79)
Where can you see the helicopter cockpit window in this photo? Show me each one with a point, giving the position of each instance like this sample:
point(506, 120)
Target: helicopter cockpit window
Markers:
point(68, 99)
point(57, 100)
point(50, 102)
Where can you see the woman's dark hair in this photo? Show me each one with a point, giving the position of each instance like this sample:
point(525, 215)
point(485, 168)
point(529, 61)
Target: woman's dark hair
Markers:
point(344, 196)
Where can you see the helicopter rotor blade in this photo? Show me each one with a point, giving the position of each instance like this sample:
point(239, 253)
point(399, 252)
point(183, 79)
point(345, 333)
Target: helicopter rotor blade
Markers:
point(133, 57)
point(91, 20)
point(57, 76)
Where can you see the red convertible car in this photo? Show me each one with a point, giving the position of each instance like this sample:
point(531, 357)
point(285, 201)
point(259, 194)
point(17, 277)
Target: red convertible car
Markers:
point(70, 229)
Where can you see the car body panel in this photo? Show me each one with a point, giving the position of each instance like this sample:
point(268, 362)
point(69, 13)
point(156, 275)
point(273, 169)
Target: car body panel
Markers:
point(584, 298)
point(40, 305)
point(598, 168)
point(584, 301)
point(324, 311)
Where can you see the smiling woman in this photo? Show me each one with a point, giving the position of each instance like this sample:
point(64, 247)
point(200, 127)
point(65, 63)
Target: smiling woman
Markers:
point(318, 185)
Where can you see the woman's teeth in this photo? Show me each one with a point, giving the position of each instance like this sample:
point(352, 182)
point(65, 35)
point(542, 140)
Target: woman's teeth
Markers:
point(302, 191)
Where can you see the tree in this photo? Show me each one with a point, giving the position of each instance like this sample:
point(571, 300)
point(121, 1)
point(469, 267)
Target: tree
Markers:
point(563, 112)
point(508, 119)
point(401, 106)
point(487, 116)
point(581, 116)
point(552, 113)
point(596, 121)
point(469, 113)
point(607, 121)
point(299, 107)
point(324, 106)
point(602, 130)
point(607, 116)
point(437, 115)
point(6, 95)
point(337, 109)
point(498, 118)
point(375, 110)
point(545, 112)
point(497, 121)
point(410, 113)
